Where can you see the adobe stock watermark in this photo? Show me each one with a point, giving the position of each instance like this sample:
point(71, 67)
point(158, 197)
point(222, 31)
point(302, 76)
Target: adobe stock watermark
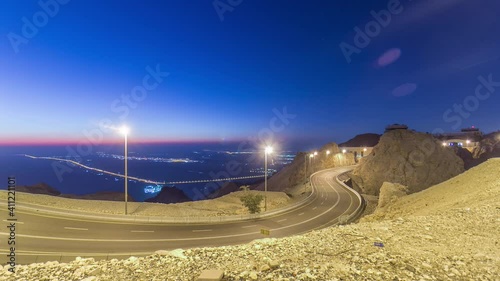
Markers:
point(252, 145)
point(31, 27)
point(372, 29)
point(483, 91)
point(121, 106)
point(223, 6)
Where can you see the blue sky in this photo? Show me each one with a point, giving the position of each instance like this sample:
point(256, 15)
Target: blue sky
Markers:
point(226, 77)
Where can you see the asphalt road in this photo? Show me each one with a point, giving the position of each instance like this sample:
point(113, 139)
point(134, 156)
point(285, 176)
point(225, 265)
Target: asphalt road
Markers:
point(41, 237)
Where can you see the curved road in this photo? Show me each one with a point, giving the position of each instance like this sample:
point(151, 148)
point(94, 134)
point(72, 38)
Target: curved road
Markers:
point(41, 237)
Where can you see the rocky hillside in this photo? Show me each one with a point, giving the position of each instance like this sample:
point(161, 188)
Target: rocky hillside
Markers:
point(362, 140)
point(39, 188)
point(169, 195)
point(415, 160)
point(303, 166)
point(488, 147)
point(43, 188)
point(447, 232)
point(102, 195)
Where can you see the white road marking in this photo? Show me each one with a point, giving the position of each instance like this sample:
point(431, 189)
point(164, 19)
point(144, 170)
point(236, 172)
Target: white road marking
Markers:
point(247, 226)
point(75, 228)
point(301, 214)
point(282, 220)
point(201, 230)
point(16, 222)
point(141, 231)
point(315, 208)
point(182, 239)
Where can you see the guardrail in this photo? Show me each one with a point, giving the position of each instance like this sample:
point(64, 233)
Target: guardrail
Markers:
point(362, 204)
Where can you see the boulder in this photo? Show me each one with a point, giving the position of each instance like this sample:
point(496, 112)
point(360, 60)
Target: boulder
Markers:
point(413, 159)
point(389, 193)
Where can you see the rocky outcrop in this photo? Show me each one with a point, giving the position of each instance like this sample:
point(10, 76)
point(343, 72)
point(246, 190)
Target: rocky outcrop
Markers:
point(368, 140)
point(303, 166)
point(389, 193)
point(466, 156)
point(169, 195)
point(102, 195)
point(489, 147)
point(39, 188)
point(415, 160)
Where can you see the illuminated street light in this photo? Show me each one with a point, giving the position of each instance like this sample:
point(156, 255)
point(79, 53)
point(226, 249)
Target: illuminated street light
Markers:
point(344, 151)
point(328, 152)
point(364, 149)
point(444, 143)
point(268, 150)
point(125, 131)
point(467, 141)
point(315, 153)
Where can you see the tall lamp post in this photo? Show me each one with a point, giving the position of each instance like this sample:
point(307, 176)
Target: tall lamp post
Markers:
point(268, 150)
point(305, 168)
point(125, 130)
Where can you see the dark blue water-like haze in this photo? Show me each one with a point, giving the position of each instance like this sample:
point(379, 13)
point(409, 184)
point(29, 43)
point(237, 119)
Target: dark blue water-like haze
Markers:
point(158, 162)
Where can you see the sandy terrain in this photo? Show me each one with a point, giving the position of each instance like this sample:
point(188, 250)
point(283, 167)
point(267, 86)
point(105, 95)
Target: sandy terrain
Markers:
point(226, 205)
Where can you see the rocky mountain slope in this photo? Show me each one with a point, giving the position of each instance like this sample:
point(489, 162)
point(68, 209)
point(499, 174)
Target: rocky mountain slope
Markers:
point(169, 195)
point(362, 140)
point(415, 160)
point(102, 195)
point(303, 166)
point(39, 188)
point(45, 189)
point(447, 232)
point(488, 147)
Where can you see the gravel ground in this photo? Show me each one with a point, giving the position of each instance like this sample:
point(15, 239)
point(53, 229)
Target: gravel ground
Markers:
point(448, 232)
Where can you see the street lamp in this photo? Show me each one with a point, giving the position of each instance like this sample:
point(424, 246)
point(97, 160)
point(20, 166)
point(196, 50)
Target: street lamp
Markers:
point(268, 150)
point(305, 168)
point(328, 152)
point(125, 130)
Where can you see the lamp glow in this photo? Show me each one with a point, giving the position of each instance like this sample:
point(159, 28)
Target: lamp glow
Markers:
point(269, 150)
point(124, 130)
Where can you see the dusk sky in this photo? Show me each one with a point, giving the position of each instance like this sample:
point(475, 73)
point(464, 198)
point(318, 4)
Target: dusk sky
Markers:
point(66, 67)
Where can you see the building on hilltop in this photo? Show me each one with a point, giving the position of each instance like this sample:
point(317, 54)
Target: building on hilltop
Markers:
point(396, 126)
point(467, 138)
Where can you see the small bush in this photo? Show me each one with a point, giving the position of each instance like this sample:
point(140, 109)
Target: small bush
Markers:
point(252, 202)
